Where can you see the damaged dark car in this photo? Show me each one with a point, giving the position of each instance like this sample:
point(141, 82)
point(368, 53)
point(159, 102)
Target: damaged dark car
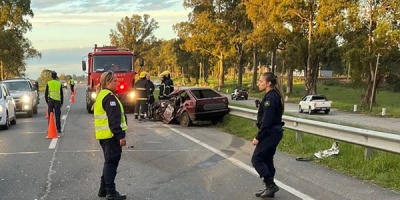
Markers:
point(188, 105)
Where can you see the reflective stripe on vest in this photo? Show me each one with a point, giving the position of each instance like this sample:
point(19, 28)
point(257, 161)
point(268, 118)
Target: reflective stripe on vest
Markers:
point(101, 126)
point(54, 90)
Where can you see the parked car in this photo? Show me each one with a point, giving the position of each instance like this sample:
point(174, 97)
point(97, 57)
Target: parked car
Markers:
point(7, 108)
point(240, 94)
point(188, 105)
point(24, 94)
point(315, 103)
point(64, 84)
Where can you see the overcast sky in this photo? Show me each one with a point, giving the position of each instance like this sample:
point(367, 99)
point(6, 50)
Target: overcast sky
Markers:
point(65, 31)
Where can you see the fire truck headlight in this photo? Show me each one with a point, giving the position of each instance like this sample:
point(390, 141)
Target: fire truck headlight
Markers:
point(93, 95)
point(132, 95)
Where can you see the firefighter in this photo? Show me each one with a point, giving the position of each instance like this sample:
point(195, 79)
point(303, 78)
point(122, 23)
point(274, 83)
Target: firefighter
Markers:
point(270, 132)
point(54, 98)
point(151, 99)
point(167, 85)
point(143, 94)
point(110, 126)
point(72, 84)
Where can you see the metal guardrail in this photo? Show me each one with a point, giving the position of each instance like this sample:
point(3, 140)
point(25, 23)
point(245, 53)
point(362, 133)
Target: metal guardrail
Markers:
point(367, 138)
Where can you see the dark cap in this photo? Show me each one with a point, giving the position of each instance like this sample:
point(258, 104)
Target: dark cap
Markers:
point(53, 74)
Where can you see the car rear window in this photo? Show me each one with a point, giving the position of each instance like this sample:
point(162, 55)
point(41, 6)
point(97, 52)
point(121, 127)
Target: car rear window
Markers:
point(203, 94)
point(318, 98)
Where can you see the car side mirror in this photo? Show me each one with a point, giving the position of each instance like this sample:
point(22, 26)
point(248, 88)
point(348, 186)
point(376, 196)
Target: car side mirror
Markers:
point(83, 65)
point(141, 62)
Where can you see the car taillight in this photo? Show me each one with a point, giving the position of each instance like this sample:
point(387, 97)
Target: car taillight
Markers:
point(315, 104)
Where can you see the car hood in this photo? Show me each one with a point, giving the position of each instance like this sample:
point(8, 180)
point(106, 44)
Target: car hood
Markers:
point(18, 93)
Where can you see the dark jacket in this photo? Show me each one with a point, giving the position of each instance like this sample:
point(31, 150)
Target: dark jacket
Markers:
point(113, 115)
point(142, 89)
point(151, 88)
point(269, 114)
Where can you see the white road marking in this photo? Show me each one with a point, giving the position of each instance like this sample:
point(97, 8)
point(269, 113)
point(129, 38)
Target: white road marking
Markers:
point(53, 143)
point(241, 164)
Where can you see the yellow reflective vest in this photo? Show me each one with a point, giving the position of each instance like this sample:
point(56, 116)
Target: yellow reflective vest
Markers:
point(54, 90)
point(101, 126)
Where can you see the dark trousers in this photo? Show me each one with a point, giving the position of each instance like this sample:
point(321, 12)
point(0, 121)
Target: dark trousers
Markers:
point(263, 155)
point(142, 106)
point(112, 155)
point(55, 107)
point(72, 88)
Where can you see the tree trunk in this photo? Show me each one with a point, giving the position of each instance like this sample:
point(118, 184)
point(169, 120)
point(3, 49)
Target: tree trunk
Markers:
point(240, 64)
point(221, 78)
point(308, 78)
point(254, 80)
point(273, 60)
point(289, 82)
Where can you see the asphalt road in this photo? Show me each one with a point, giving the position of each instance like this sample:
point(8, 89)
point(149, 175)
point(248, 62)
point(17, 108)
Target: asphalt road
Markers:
point(377, 123)
point(167, 162)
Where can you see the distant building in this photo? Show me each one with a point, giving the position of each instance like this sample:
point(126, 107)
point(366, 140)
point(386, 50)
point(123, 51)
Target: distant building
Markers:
point(325, 73)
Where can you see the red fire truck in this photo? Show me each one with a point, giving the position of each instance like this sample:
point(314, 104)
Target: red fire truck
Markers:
point(122, 63)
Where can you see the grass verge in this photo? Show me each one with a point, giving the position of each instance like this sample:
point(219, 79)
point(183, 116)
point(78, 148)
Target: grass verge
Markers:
point(382, 169)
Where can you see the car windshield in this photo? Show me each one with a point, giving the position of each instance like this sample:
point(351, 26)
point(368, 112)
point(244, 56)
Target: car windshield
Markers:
point(206, 93)
point(18, 85)
point(116, 63)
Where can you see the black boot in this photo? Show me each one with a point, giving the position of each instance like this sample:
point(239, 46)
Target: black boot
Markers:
point(270, 190)
point(102, 192)
point(115, 196)
point(260, 192)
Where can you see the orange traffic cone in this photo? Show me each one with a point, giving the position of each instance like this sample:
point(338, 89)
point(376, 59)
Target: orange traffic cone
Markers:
point(72, 98)
point(74, 90)
point(47, 112)
point(52, 130)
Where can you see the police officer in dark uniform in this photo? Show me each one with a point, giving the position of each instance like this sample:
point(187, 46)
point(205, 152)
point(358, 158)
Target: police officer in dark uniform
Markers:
point(54, 98)
point(167, 85)
point(143, 94)
point(110, 126)
point(270, 132)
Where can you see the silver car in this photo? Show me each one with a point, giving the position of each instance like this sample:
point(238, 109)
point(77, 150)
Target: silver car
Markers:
point(24, 94)
point(7, 108)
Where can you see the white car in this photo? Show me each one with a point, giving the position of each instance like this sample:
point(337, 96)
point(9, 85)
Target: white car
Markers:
point(315, 103)
point(7, 108)
point(24, 94)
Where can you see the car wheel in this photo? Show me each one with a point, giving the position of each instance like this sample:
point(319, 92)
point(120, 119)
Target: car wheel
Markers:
point(300, 110)
point(327, 111)
point(185, 120)
point(310, 111)
point(217, 120)
point(29, 113)
point(14, 121)
point(7, 125)
point(35, 109)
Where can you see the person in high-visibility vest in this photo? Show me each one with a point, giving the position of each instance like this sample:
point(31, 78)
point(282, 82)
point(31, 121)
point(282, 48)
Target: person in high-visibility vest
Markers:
point(110, 126)
point(72, 84)
point(54, 98)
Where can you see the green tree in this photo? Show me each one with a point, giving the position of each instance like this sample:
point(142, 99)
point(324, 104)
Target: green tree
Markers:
point(135, 33)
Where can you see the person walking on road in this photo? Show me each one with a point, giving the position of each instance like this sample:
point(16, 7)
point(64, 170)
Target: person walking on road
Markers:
point(270, 132)
point(54, 99)
point(110, 126)
point(72, 85)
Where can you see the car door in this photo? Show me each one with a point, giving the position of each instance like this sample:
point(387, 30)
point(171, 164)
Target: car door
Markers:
point(9, 102)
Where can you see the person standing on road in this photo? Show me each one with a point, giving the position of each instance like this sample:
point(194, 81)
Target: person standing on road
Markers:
point(72, 85)
point(143, 94)
point(110, 126)
point(270, 132)
point(167, 85)
point(151, 99)
point(54, 98)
